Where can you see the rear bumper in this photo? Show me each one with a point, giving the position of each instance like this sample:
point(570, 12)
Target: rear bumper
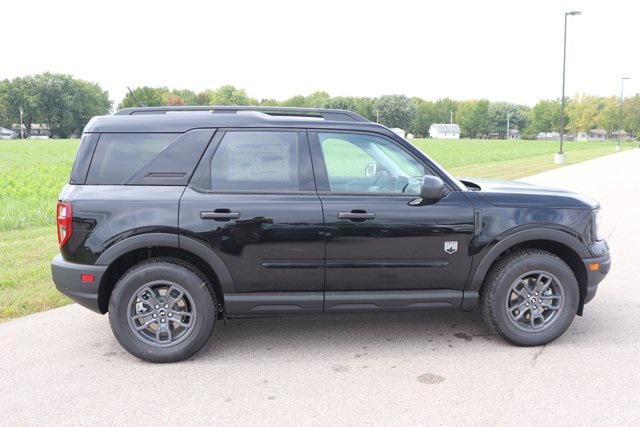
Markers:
point(66, 276)
point(595, 277)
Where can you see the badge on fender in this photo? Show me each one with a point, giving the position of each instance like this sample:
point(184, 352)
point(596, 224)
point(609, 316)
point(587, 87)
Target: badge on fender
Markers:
point(450, 247)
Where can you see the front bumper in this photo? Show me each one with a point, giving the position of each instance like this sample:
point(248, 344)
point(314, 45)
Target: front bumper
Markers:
point(595, 277)
point(66, 276)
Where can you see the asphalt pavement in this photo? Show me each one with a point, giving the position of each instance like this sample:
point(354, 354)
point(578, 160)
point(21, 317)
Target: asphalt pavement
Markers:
point(64, 366)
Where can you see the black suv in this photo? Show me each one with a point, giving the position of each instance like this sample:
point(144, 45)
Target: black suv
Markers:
point(177, 217)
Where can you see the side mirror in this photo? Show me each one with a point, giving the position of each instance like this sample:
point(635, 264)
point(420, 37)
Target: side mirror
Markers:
point(370, 170)
point(431, 190)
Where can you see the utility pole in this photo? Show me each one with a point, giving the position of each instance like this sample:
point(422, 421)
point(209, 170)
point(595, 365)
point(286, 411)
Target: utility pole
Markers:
point(559, 158)
point(508, 116)
point(619, 146)
point(451, 117)
point(21, 131)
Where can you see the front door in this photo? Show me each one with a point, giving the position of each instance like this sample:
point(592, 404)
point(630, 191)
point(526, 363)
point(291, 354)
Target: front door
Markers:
point(376, 239)
point(253, 202)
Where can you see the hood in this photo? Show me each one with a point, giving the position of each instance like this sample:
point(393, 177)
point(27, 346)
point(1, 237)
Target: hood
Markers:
point(516, 193)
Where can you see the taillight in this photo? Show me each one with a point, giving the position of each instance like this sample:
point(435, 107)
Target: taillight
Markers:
point(64, 221)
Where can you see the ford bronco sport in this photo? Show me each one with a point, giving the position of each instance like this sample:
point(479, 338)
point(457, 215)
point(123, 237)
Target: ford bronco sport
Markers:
point(175, 217)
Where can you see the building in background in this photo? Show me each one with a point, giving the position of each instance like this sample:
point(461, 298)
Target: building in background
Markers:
point(38, 131)
point(7, 133)
point(444, 131)
point(399, 132)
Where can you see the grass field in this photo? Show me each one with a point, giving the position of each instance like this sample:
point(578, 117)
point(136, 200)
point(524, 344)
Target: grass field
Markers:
point(33, 171)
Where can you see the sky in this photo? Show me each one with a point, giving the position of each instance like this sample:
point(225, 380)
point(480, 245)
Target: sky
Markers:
point(499, 50)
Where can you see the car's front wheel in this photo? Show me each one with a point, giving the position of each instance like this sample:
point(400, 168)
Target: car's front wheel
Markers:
point(162, 310)
point(530, 297)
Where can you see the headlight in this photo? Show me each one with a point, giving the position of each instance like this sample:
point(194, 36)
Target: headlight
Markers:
point(596, 226)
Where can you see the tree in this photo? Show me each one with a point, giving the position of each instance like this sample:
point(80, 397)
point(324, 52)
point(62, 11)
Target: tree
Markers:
point(20, 93)
point(149, 96)
point(365, 107)
point(498, 112)
point(609, 117)
point(269, 102)
point(177, 100)
point(631, 114)
point(187, 96)
point(444, 109)
point(396, 111)
point(340, 103)
point(545, 117)
point(295, 101)
point(317, 99)
point(63, 103)
point(473, 118)
point(583, 113)
point(425, 116)
point(228, 95)
point(88, 100)
point(66, 104)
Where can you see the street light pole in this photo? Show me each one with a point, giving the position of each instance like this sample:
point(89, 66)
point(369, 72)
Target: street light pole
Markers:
point(619, 146)
point(559, 158)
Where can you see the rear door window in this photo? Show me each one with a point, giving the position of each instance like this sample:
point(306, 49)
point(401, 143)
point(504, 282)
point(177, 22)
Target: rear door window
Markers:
point(120, 155)
point(261, 161)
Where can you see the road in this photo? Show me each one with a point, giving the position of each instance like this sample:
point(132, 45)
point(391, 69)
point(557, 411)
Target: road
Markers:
point(64, 366)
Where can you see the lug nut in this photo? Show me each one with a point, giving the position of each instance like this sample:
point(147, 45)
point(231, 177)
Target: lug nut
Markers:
point(535, 307)
point(155, 315)
point(527, 304)
point(166, 306)
point(170, 314)
point(528, 296)
point(536, 294)
point(157, 307)
point(162, 320)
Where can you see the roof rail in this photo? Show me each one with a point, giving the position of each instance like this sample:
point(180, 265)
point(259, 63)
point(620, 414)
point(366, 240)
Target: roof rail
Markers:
point(327, 114)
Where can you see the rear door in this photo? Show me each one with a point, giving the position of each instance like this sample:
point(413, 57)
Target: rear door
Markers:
point(253, 202)
point(376, 239)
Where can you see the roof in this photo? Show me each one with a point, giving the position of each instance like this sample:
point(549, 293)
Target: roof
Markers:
point(445, 127)
point(182, 119)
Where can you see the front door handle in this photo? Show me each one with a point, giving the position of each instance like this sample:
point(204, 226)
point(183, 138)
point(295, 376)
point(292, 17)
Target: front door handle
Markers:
point(220, 215)
point(357, 215)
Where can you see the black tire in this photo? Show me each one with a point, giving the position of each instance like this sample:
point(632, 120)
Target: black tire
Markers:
point(497, 291)
point(198, 297)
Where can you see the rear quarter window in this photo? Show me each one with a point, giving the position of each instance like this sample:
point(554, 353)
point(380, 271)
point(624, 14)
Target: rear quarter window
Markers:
point(118, 156)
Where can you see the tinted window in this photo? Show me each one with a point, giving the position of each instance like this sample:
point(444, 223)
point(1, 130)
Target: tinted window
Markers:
point(257, 161)
point(120, 155)
point(361, 163)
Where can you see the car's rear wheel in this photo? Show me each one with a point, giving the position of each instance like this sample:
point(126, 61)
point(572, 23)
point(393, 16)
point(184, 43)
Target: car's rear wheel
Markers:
point(530, 297)
point(162, 310)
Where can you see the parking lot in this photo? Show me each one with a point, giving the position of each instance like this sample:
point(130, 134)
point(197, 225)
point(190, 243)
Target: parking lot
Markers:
point(64, 365)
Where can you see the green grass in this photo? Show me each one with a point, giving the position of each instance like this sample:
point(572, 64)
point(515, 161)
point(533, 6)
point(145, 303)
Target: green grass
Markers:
point(32, 173)
point(509, 159)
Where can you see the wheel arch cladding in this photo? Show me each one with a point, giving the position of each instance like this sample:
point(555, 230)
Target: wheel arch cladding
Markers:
point(120, 259)
point(556, 243)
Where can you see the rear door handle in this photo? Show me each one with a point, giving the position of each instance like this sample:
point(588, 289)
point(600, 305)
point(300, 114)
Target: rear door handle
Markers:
point(356, 214)
point(220, 215)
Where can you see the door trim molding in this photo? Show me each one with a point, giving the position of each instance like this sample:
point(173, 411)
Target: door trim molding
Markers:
point(387, 264)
